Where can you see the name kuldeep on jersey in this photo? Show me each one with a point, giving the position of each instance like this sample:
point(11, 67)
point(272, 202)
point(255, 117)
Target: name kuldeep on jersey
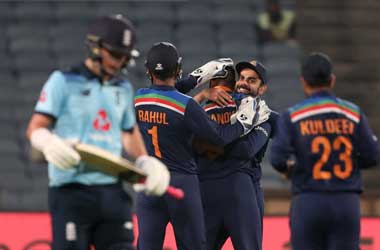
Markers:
point(327, 126)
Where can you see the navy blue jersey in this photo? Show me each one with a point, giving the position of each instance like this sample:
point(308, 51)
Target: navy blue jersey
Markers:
point(244, 155)
point(330, 140)
point(168, 121)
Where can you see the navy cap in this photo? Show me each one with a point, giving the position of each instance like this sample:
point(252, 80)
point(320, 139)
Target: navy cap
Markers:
point(317, 68)
point(163, 58)
point(254, 65)
point(115, 33)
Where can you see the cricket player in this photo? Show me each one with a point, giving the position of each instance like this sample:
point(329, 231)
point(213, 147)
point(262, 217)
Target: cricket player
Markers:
point(92, 103)
point(230, 176)
point(322, 143)
point(168, 121)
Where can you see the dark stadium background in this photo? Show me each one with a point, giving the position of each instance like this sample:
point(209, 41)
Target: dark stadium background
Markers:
point(39, 36)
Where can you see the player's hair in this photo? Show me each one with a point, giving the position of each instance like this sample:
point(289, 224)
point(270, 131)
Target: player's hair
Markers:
point(164, 75)
point(317, 70)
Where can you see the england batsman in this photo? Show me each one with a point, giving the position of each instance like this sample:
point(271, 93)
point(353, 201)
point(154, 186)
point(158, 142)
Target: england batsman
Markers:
point(92, 103)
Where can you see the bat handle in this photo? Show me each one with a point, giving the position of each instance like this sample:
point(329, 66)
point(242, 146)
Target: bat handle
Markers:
point(176, 193)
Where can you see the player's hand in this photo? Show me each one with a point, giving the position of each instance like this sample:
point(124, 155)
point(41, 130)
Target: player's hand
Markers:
point(158, 176)
point(217, 95)
point(247, 114)
point(290, 163)
point(212, 70)
point(55, 149)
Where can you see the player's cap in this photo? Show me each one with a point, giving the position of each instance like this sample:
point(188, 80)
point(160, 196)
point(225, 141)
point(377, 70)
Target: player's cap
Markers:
point(115, 33)
point(254, 65)
point(163, 58)
point(317, 68)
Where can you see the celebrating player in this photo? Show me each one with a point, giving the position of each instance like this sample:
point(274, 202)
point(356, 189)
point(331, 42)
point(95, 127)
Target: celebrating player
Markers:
point(168, 121)
point(322, 143)
point(92, 103)
point(234, 171)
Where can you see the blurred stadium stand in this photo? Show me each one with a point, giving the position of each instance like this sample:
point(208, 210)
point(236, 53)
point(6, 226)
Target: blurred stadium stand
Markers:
point(40, 36)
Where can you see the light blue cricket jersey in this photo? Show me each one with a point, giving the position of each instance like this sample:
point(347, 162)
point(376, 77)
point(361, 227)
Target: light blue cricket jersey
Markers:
point(85, 109)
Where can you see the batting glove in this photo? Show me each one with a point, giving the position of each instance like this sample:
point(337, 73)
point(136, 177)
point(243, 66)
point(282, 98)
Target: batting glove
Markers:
point(212, 70)
point(56, 151)
point(158, 176)
point(247, 114)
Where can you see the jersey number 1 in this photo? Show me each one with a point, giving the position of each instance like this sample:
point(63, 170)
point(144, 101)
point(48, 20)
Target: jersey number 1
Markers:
point(153, 132)
point(339, 171)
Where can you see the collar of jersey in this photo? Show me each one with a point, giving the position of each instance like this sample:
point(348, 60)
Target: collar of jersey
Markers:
point(162, 87)
point(321, 93)
point(83, 70)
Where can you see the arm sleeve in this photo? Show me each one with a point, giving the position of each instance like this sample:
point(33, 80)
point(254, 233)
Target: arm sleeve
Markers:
point(281, 148)
point(52, 95)
point(368, 147)
point(248, 146)
point(186, 84)
point(199, 123)
point(129, 117)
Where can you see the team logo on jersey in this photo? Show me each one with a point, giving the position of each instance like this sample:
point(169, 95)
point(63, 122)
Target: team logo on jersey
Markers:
point(42, 97)
point(101, 122)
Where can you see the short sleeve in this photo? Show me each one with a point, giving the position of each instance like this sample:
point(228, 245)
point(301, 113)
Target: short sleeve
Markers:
point(52, 95)
point(129, 117)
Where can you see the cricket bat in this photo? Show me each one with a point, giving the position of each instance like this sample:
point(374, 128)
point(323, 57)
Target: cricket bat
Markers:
point(110, 164)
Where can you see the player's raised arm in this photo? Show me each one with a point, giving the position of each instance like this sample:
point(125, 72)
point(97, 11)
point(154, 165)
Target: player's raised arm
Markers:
point(218, 95)
point(186, 84)
point(215, 69)
point(198, 121)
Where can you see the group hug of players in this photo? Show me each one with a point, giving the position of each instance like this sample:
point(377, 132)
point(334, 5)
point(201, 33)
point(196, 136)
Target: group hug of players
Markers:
point(209, 145)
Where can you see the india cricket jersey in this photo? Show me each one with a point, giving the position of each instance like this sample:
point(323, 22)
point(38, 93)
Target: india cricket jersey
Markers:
point(330, 139)
point(168, 121)
point(243, 155)
point(87, 110)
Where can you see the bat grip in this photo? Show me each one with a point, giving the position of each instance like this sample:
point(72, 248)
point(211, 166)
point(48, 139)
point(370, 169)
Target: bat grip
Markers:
point(176, 193)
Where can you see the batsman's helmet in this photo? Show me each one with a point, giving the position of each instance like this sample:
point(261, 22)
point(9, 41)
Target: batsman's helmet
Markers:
point(163, 60)
point(114, 33)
